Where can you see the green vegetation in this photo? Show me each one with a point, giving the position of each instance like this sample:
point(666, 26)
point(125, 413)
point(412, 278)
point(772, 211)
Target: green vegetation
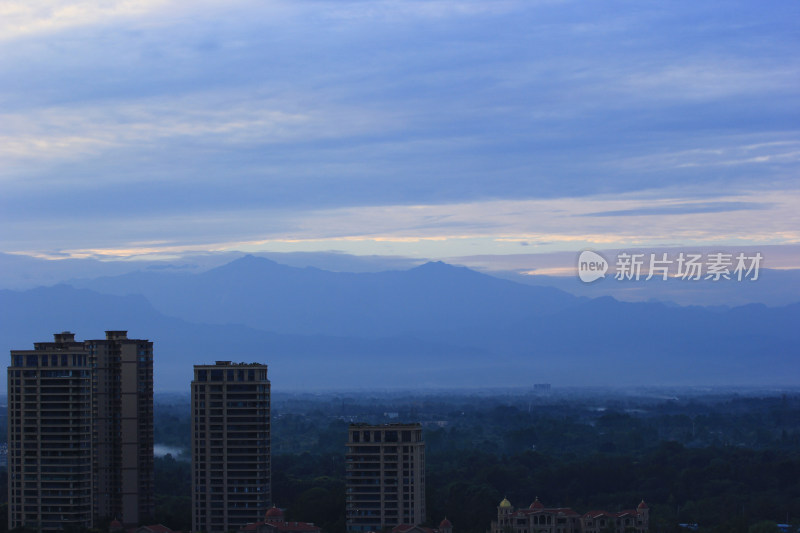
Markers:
point(730, 463)
point(724, 461)
point(173, 483)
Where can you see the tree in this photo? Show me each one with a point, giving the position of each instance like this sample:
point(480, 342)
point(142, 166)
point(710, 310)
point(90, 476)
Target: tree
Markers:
point(764, 527)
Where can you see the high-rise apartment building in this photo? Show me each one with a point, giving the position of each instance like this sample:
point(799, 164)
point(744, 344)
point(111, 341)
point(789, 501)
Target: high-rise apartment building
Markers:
point(50, 436)
point(122, 414)
point(80, 432)
point(385, 476)
point(231, 478)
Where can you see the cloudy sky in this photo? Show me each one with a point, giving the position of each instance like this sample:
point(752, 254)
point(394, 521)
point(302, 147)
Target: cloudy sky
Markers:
point(435, 128)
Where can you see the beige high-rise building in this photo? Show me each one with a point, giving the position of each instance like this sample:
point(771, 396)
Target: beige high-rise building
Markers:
point(80, 432)
point(122, 414)
point(231, 477)
point(385, 476)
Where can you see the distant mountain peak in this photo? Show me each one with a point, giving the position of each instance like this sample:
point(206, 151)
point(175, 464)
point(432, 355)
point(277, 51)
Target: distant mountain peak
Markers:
point(440, 266)
point(253, 259)
point(248, 262)
point(432, 265)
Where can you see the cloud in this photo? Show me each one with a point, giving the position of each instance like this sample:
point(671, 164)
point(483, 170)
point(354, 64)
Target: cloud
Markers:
point(415, 9)
point(682, 208)
point(760, 150)
point(214, 119)
point(434, 231)
point(715, 78)
point(395, 123)
point(19, 18)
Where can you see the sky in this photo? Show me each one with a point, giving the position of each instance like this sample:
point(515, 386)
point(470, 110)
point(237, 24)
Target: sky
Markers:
point(438, 128)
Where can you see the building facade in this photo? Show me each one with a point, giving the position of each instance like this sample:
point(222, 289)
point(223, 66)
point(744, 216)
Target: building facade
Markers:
point(80, 432)
point(444, 527)
point(231, 469)
point(273, 522)
point(122, 414)
point(540, 519)
point(385, 478)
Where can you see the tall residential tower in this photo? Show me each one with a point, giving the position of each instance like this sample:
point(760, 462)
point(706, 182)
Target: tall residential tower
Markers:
point(80, 432)
point(231, 445)
point(385, 476)
point(122, 414)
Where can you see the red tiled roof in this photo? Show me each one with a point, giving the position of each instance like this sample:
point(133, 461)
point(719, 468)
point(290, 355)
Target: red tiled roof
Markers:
point(296, 526)
point(566, 511)
point(445, 523)
point(538, 508)
point(155, 528)
point(402, 528)
point(282, 526)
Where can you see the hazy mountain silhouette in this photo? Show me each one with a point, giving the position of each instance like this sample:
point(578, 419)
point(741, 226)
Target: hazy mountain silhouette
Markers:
point(260, 293)
point(434, 325)
point(295, 361)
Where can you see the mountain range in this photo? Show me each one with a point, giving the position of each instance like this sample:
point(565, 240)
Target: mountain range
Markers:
point(431, 326)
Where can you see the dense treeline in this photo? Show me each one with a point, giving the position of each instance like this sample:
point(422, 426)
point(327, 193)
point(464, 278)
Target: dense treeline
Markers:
point(311, 488)
point(729, 463)
point(726, 462)
point(709, 486)
point(173, 485)
point(724, 489)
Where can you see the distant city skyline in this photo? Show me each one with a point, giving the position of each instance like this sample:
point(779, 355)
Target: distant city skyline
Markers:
point(433, 129)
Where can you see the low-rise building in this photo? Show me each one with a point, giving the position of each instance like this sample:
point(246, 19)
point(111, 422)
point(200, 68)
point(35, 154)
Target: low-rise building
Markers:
point(444, 527)
point(116, 527)
point(274, 523)
point(540, 519)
